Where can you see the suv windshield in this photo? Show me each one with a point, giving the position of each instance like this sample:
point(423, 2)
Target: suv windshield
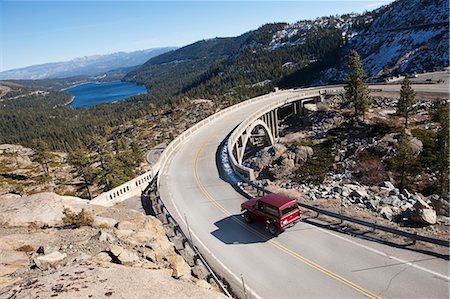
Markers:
point(289, 209)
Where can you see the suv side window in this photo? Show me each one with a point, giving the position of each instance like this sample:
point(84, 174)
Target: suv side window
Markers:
point(270, 210)
point(259, 206)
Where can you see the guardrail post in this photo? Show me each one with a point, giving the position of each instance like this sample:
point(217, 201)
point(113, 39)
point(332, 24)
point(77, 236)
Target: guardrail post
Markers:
point(189, 229)
point(243, 287)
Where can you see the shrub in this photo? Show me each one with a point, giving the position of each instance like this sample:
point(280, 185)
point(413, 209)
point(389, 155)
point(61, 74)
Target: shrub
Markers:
point(370, 172)
point(314, 170)
point(83, 218)
point(380, 129)
point(25, 248)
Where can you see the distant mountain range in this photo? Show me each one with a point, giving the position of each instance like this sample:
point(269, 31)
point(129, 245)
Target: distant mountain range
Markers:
point(84, 66)
point(406, 36)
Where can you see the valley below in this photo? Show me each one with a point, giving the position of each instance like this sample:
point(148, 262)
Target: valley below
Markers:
point(122, 175)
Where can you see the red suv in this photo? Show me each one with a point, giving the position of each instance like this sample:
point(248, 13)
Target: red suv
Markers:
point(277, 211)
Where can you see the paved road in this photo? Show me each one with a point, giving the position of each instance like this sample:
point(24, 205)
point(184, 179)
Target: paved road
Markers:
point(304, 261)
point(153, 155)
point(428, 91)
point(432, 88)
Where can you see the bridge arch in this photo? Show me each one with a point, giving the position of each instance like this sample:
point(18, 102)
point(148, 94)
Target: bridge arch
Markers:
point(248, 134)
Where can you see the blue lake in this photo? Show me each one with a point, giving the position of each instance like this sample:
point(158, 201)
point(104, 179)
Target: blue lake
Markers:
point(89, 94)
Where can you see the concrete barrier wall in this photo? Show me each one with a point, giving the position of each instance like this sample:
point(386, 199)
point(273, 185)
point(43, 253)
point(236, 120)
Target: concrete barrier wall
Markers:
point(135, 186)
point(138, 184)
point(291, 96)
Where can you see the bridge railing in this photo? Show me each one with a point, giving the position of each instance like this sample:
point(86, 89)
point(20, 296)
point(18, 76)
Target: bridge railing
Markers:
point(246, 174)
point(135, 186)
point(291, 97)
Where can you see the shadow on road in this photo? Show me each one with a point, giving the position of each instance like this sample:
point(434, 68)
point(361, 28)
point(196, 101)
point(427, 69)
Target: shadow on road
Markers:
point(233, 230)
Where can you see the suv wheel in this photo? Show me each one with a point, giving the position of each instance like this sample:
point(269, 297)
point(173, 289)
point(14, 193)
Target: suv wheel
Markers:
point(273, 229)
point(247, 217)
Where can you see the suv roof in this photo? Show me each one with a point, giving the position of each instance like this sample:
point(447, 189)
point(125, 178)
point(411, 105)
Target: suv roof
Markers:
point(275, 200)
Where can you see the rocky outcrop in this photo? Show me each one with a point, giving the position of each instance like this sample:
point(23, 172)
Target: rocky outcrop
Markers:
point(283, 169)
point(102, 222)
point(52, 260)
point(122, 247)
point(43, 209)
point(424, 213)
point(91, 279)
point(387, 201)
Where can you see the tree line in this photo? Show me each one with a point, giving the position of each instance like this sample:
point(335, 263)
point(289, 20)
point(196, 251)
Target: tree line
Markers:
point(100, 166)
point(404, 163)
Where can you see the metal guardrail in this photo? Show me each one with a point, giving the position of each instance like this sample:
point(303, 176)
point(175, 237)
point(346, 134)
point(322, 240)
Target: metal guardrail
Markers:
point(135, 186)
point(445, 243)
point(375, 226)
point(177, 228)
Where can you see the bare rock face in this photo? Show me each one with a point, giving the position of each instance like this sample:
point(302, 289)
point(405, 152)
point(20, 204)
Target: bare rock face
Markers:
point(125, 257)
point(103, 280)
point(278, 150)
point(104, 222)
point(123, 254)
point(43, 209)
point(19, 156)
point(262, 159)
point(441, 206)
point(10, 262)
point(52, 260)
point(179, 266)
point(285, 168)
point(424, 213)
point(416, 146)
point(103, 257)
point(387, 213)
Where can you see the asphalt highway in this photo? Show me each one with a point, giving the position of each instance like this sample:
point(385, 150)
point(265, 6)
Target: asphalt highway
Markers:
point(305, 261)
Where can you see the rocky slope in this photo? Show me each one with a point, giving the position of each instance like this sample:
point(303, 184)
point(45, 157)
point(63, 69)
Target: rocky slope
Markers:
point(326, 159)
point(409, 37)
point(20, 175)
point(117, 253)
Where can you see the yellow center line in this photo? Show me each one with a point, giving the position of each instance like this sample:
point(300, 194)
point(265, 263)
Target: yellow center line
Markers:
point(266, 239)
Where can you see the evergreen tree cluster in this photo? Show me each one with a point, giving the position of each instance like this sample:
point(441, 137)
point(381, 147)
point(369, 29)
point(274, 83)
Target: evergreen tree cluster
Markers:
point(240, 67)
point(26, 115)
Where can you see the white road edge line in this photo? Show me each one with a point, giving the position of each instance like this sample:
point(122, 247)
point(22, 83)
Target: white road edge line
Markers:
point(247, 288)
point(385, 254)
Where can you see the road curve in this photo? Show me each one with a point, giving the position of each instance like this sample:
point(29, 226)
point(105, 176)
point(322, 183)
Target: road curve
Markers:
point(304, 261)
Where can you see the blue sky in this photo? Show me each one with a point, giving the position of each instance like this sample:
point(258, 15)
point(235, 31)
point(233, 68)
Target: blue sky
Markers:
point(34, 32)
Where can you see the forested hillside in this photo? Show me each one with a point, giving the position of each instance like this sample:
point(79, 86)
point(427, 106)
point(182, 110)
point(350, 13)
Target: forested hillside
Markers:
point(236, 68)
point(403, 37)
point(240, 66)
point(28, 113)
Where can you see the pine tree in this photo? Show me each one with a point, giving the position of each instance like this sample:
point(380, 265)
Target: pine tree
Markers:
point(442, 158)
point(81, 161)
point(406, 100)
point(356, 91)
point(136, 154)
point(42, 155)
point(104, 155)
point(405, 159)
